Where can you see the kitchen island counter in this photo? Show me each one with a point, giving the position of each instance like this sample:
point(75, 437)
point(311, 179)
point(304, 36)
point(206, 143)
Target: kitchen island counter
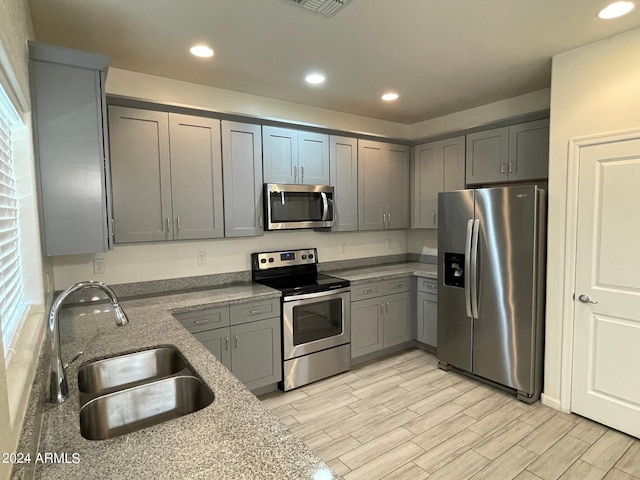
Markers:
point(233, 438)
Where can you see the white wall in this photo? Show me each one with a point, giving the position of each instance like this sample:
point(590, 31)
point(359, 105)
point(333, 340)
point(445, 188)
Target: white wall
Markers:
point(422, 241)
point(157, 261)
point(594, 89)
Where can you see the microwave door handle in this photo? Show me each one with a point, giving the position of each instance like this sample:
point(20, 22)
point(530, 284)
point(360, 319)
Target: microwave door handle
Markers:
point(325, 206)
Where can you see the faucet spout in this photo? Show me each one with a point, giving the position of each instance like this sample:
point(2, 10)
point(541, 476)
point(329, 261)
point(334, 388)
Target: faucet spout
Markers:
point(58, 385)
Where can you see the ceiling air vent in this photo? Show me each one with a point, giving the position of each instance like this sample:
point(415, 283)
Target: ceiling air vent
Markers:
point(328, 8)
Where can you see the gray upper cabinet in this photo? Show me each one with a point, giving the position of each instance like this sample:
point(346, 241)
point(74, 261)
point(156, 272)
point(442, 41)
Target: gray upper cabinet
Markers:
point(509, 154)
point(529, 151)
point(383, 185)
point(141, 173)
point(72, 161)
point(488, 156)
point(242, 172)
point(196, 177)
point(167, 176)
point(292, 156)
point(343, 159)
point(437, 167)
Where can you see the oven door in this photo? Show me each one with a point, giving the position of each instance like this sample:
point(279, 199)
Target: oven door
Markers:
point(315, 322)
point(298, 206)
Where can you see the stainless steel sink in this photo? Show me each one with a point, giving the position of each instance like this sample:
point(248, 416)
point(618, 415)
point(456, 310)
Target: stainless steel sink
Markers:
point(135, 408)
point(124, 371)
point(122, 394)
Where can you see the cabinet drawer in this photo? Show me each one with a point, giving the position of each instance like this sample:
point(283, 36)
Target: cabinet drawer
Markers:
point(396, 285)
point(365, 290)
point(250, 312)
point(207, 319)
point(427, 285)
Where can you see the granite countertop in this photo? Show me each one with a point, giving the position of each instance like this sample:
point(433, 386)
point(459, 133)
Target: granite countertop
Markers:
point(387, 272)
point(233, 438)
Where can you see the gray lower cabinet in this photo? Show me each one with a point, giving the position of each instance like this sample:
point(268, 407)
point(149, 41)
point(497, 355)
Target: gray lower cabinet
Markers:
point(72, 160)
point(437, 167)
point(379, 317)
point(245, 337)
point(167, 176)
point(427, 312)
point(383, 185)
point(295, 156)
point(242, 178)
point(343, 168)
point(508, 154)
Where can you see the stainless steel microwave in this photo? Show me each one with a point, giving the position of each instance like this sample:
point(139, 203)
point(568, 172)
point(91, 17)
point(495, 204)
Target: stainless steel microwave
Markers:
point(289, 206)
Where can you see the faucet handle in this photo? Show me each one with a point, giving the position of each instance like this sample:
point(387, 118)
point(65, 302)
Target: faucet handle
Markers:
point(75, 357)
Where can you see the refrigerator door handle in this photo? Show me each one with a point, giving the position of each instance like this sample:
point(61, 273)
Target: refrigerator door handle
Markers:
point(467, 268)
point(474, 269)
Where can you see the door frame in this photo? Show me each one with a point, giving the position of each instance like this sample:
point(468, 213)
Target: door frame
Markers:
point(570, 260)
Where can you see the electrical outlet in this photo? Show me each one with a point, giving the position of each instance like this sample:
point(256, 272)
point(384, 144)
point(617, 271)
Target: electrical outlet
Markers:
point(343, 247)
point(98, 266)
point(201, 257)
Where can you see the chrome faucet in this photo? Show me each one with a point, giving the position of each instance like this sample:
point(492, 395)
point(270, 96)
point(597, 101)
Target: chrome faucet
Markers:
point(58, 386)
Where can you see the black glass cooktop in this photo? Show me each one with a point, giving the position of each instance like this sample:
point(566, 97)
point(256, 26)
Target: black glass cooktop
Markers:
point(304, 283)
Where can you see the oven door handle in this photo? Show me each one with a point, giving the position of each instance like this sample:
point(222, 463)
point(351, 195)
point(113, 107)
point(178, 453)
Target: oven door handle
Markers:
point(325, 206)
point(325, 293)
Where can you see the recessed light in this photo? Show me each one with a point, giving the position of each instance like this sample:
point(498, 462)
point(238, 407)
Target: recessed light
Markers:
point(315, 78)
point(616, 9)
point(201, 51)
point(390, 96)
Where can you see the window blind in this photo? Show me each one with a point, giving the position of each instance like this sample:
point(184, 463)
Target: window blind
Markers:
point(11, 299)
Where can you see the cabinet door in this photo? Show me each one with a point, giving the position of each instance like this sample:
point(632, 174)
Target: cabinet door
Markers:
point(69, 148)
point(313, 158)
point(242, 173)
point(427, 182)
point(487, 156)
point(397, 319)
point(529, 150)
point(343, 155)
point(373, 185)
point(196, 177)
point(218, 342)
point(256, 357)
point(141, 174)
point(427, 318)
point(398, 186)
point(366, 326)
point(453, 151)
point(280, 155)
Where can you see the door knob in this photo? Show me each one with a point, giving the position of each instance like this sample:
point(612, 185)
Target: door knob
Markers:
point(585, 299)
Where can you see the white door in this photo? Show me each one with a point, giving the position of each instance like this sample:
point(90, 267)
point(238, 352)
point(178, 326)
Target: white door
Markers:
point(606, 355)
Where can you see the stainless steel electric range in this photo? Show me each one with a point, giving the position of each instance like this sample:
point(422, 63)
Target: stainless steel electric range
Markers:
point(316, 315)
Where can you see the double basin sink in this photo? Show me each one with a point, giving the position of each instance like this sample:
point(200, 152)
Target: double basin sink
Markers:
point(123, 394)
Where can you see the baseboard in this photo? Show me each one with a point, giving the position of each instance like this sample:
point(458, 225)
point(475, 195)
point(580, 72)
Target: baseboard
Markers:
point(552, 403)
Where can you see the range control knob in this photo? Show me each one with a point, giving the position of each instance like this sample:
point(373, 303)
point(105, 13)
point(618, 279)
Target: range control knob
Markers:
point(263, 260)
point(271, 260)
point(311, 255)
point(304, 256)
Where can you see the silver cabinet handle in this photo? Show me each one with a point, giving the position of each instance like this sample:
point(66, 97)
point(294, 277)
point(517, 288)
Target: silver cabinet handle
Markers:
point(178, 224)
point(585, 299)
point(168, 224)
point(255, 312)
point(389, 219)
point(235, 339)
point(381, 308)
point(386, 307)
point(200, 322)
point(510, 167)
point(301, 174)
point(368, 290)
point(295, 173)
point(398, 285)
point(384, 219)
point(226, 343)
point(502, 165)
point(260, 222)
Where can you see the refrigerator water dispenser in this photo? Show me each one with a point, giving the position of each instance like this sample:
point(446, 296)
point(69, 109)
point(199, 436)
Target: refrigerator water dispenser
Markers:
point(454, 269)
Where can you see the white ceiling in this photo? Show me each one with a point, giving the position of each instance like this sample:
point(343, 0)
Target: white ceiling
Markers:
point(442, 56)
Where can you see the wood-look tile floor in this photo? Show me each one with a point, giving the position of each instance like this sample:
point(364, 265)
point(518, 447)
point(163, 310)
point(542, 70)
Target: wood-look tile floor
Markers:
point(402, 418)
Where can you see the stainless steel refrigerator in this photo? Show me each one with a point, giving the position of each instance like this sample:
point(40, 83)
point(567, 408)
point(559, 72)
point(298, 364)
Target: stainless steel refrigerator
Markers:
point(491, 259)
